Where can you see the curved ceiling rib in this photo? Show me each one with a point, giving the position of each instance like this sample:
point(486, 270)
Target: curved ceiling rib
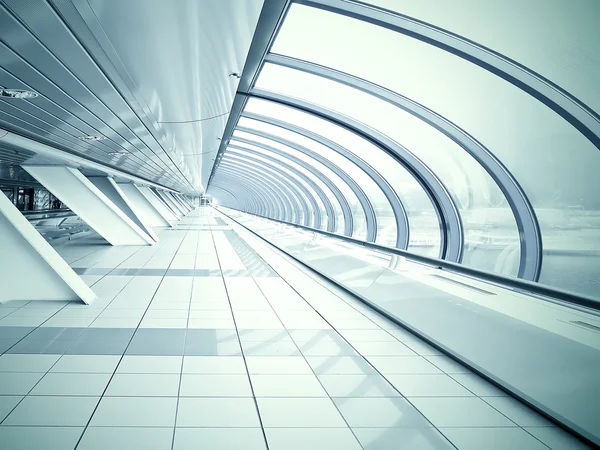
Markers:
point(259, 164)
point(268, 203)
point(239, 204)
point(289, 204)
point(530, 235)
point(343, 202)
point(291, 197)
point(324, 199)
point(398, 209)
point(573, 110)
point(448, 215)
point(365, 202)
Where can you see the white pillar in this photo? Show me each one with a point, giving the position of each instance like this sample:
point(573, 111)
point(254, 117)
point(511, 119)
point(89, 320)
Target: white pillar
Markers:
point(89, 203)
point(109, 187)
point(144, 207)
point(180, 202)
point(31, 269)
point(167, 200)
point(159, 204)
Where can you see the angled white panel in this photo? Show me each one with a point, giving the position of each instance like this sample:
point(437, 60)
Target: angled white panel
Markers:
point(31, 269)
point(169, 203)
point(187, 201)
point(143, 207)
point(175, 202)
point(159, 204)
point(180, 202)
point(89, 203)
point(109, 187)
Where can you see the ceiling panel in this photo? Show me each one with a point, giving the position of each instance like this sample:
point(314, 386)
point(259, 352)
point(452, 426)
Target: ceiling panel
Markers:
point(152, 76)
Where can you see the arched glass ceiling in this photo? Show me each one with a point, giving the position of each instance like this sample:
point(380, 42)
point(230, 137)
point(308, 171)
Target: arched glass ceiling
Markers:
point(443, 136)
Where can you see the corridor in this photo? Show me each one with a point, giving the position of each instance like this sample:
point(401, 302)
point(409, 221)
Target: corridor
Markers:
point(212, 339)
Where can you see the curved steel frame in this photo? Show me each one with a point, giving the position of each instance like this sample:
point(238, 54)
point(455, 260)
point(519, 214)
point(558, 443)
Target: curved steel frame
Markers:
point(451, 229)
point(239, 203)
point(249, 203)
point(274, 178)
point(272, 204)
point(529, 230)
point(570, 108)
point(266, 202)
point(246, 203)
point(290, 193)
point(364, 201)
point(317, 211)
point(322, 196)
point(400, 216)
point(343, 202)
point(277, 187)
point(278, 203)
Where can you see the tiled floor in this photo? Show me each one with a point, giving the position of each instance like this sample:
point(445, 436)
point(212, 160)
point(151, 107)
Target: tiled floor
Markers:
point(198, 343)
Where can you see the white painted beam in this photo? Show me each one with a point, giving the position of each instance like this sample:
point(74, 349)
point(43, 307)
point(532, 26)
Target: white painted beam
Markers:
point(169, 202)
point(180, 202)
point(89, 203)
point(114, 192)
point(158, 204)
point(143, 207)
point(30, 268)
point(175, 203)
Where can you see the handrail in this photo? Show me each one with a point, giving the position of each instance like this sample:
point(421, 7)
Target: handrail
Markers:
point(513, 283)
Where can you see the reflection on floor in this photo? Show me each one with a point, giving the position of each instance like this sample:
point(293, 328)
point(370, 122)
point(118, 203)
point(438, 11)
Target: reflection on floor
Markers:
point(198, 343)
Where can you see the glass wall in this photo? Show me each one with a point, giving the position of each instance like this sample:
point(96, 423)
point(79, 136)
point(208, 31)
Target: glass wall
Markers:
point(515, 143)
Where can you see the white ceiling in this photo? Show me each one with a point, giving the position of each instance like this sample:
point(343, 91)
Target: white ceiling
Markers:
point(152, 76)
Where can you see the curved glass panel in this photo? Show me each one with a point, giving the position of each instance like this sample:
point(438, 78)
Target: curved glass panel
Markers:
point(491, 234)
point(554, 163)
point(386, 223)
point(291, 176)
point(569, 58)
point(423, 222)
point(275, 157)
point(360, 231)
point(268, 202)
point(293, 195)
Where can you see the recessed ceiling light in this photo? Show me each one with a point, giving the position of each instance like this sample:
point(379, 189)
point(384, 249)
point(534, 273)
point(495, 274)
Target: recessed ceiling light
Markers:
point(92, 138)
point(120, 152)
point(17, 93)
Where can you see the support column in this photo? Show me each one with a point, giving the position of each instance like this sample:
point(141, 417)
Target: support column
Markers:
point(89, 203)
point(31, 269)
point(158, 204)
point(170, 203)
point(187, 201)
point(144, 207)
point(117, 196)
point(180, 202)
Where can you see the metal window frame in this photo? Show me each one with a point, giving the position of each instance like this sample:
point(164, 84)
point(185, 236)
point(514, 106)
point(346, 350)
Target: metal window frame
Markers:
point(316, 216)
point(451, 229)
point(339, 196)
point(329, 211)
point(565, 104)
point(291, 197)
point(272, 205)
point(270, 19)
point(258, 202)
point(244, 203)
point(228, 193)
point(363, 199)
point(273, 187)
point(396, 205)
point(530, 235)
point(251, 201)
